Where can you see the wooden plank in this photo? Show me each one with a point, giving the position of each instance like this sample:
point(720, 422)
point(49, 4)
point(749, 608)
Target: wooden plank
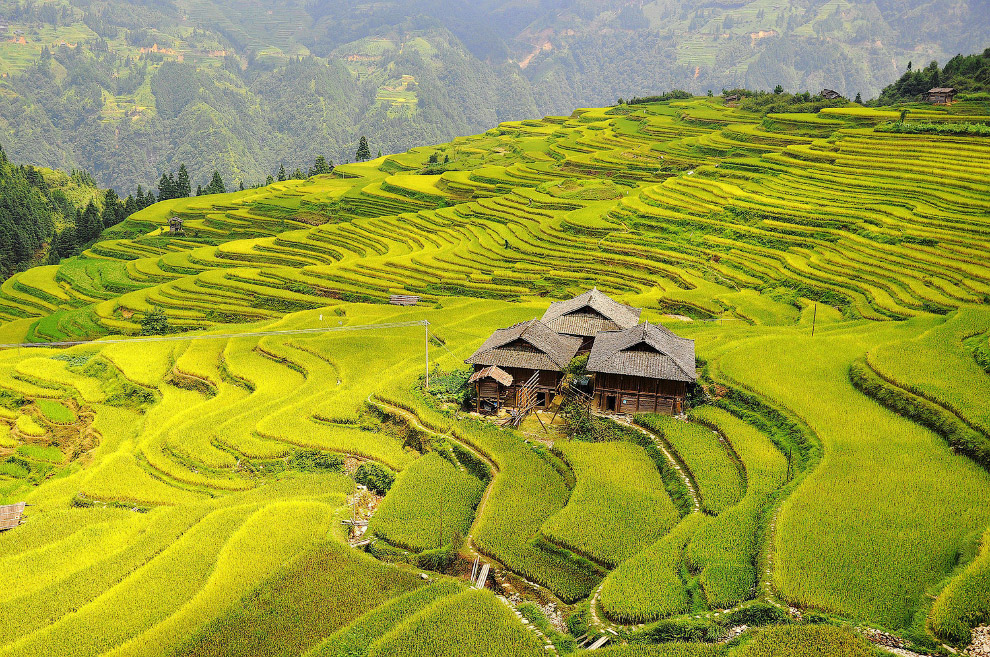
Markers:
point(599, 643)
point(482, 577)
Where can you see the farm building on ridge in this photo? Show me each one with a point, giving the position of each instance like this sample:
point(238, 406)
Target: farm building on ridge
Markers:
point(521, 366)
point(588, 314)
point(830, 94)
point(940, 96)
point(644, 369)
point(634, 368)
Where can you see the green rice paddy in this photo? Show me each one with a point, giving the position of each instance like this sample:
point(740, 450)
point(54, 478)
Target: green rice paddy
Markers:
point(833, 277)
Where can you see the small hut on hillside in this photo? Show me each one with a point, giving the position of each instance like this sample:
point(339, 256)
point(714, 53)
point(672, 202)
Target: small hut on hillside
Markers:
point(830, 94)
point(521, 366)
point(10, 515)
point(644, 369)
point(940, 96)
point(588, 314)
point(175, 226)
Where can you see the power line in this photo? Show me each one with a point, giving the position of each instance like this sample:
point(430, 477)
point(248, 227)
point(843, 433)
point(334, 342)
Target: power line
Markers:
point(218, 336)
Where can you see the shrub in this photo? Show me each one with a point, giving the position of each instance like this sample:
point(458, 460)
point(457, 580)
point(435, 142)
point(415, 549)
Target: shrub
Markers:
point(760, 613)
point(314, 460)
point(375, 477)
point(667, 631)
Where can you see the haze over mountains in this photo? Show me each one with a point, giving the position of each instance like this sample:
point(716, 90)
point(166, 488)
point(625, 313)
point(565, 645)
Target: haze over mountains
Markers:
point(129, 90)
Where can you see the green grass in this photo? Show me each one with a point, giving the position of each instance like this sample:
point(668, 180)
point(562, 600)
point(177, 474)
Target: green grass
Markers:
point(429, 495)
point(323, 589)
point(619, 505)
point(56, 412)
point(708, 460)
point(355, 639)
point(650, 585)
point(805, 641)
point(473, 624)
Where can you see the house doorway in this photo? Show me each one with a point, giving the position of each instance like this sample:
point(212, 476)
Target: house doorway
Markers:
point(541, 399)
point(610, 401)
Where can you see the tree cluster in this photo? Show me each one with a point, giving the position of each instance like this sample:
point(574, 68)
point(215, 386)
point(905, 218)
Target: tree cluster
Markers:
point(965, 73)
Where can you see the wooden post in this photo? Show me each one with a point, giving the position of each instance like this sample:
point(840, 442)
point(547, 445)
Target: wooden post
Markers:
point(426, 325)
point(814, 320)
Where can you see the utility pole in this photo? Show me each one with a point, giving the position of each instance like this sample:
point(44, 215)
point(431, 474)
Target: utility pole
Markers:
point(426, 325)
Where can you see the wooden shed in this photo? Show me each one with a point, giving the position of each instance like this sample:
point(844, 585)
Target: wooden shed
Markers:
point(830, 94)
point(175, 226)
point(644, 369)
point(940, 96)
point(521, 366)
point(588, 314)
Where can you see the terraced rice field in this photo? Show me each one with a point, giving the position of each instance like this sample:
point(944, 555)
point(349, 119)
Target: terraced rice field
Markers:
point(182, 492)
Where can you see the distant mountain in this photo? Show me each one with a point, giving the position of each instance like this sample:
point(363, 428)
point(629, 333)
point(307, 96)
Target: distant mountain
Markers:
point(129, 90)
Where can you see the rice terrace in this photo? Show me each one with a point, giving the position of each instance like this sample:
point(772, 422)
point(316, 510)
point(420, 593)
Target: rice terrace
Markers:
point(666, 378)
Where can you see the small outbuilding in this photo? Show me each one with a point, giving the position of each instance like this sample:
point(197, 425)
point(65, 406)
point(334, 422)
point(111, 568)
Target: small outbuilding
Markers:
point(175, 226)
point(644, 369)
point(830, 94)
point(10, 515)
point(588, 314)
point(940, 96)
point(521, 366)
point(731, 98)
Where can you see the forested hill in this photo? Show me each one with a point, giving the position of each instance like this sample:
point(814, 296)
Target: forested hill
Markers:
point(968, 74)
point(47, 214)
point(129, 90)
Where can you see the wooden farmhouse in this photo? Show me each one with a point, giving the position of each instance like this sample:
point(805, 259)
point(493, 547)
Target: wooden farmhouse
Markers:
point(589, 314)
point(940, 96)
point(521, 366)
point(830, 94)
point(634, 368)
point(644, 369)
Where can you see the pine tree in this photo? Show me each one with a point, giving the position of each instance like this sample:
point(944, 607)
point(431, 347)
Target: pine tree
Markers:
point(199, 190)
point(216, 185)
point(281, 173)
point(166, 188)
point(89, 224)
point(139, 198)
point(859, 98)
point(130, 206)
point(379, 152)
point(183, 186)
point(113, 211)
point(320, 167)
point(269, 180)
point(242, 185)
point(363, 152)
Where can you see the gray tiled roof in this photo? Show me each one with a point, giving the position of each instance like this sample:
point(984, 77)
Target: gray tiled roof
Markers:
point(546, 350)
point(590, 313)
point(623, 352)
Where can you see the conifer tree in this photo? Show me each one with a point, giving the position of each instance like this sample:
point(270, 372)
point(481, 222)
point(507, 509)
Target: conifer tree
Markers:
point(89, 224)
point(183, 186)
point(859, 98)
point(113, 211)
point(216, 185)
point(281, 173)
point(320, 167)
point(363, 152)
